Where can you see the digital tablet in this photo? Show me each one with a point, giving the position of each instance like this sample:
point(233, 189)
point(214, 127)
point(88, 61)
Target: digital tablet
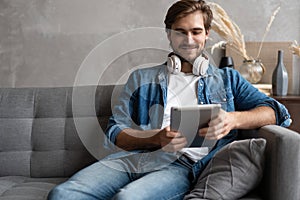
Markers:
point(189, 119)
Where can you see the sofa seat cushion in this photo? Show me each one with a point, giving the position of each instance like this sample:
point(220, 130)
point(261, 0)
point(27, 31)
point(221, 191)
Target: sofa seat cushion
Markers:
point(24, 188)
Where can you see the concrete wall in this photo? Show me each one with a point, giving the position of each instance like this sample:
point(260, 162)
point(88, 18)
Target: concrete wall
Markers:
point(44, 42)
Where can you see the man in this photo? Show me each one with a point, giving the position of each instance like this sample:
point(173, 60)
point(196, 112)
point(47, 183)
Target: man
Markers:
point(140, 121)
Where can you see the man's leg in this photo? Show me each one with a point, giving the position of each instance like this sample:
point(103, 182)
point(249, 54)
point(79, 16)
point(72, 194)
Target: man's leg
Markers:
point(171, 182)
point(101, 180)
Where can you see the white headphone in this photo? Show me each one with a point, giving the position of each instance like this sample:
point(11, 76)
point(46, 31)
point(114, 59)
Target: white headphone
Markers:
point(200, 65)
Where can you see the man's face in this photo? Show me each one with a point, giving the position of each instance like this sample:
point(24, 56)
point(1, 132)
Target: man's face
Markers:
point(188, 35)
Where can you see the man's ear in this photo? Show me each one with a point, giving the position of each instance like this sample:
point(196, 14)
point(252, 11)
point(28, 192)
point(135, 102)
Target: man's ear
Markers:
point(207, 34)
point(169, 34)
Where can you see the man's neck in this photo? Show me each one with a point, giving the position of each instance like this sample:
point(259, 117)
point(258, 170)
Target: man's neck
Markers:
point(186, 67)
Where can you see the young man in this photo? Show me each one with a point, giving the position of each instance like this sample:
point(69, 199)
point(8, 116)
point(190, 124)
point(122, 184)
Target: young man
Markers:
point(151, 167)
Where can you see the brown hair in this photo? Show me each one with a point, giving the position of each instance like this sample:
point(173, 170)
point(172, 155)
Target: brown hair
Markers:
point(183, 8)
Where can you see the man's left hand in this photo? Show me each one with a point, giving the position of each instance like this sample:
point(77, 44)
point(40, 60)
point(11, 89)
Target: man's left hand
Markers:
point(219, 126)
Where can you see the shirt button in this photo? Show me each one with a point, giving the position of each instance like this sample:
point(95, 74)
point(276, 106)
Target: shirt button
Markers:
point(224, 99)
point(201, 102)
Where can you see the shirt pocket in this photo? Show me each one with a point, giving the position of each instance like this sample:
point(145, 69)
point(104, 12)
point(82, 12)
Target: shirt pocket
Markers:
point(223, 97)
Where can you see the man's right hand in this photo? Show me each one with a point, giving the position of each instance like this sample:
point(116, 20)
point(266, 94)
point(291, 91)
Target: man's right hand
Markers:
point(167, 140)
point(171, 141)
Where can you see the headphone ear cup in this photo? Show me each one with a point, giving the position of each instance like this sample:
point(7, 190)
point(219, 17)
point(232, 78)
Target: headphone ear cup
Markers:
point(174, 64)
point(200, 66)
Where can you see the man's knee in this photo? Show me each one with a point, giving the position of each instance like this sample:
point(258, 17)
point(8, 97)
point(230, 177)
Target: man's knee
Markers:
point(56, 193)
point(124, 194)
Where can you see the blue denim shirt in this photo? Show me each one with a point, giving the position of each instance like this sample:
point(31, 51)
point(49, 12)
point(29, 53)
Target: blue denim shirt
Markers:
point(142, 102)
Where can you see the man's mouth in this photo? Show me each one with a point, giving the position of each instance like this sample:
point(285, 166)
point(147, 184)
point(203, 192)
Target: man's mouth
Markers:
point(188, 47)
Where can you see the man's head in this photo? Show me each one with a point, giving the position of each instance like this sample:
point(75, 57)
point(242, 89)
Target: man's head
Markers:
point(187, 24)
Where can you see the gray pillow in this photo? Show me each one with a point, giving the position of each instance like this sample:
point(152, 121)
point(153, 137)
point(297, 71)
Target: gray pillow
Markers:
point(233, 171)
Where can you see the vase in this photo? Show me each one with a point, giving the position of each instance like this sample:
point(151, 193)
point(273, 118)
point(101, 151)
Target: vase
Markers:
point(252, 70)
point(280, 77)
point(226, 61)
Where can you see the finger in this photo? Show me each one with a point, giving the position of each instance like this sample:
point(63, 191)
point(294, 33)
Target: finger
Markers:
point(173, 141)
point(174, 147)
point(173, 134)
point(168, 128)
point(178, 140)
point(216, 121)
point(209, 130)
point(216, 133)
point(203, 131)
point(215, 137)
point(219, 118)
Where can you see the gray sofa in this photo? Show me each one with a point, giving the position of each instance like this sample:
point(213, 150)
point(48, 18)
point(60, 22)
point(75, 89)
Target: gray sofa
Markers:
point(44, 133)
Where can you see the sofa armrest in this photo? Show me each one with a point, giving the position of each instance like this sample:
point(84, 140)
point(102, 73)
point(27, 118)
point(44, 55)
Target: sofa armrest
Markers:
point(282, 168)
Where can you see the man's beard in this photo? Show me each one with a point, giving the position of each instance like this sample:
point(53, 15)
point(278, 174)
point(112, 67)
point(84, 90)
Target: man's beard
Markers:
point(187, 58)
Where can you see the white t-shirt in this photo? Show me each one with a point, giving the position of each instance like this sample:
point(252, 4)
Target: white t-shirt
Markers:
point(182, 91)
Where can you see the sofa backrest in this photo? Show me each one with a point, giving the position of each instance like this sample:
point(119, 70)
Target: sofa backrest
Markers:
point(38, 132)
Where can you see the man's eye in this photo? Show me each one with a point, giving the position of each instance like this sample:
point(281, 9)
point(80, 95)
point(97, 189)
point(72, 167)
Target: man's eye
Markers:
point(180, 33)
point(197, 32)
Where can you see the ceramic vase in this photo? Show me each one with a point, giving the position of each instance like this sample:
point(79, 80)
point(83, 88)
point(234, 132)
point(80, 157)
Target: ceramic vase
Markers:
point(280, 77)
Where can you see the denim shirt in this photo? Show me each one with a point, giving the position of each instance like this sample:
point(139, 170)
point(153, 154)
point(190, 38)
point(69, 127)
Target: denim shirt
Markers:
point(142, 102)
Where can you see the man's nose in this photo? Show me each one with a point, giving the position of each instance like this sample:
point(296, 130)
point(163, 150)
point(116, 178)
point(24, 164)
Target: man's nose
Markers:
point(189, 38)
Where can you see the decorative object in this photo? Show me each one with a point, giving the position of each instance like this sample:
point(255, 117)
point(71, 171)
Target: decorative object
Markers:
point(218, 45)
point(252, 70)
point(267, 29)
point(280, 77)
point(226, 61)
point(269, 58)
point(295, 48)
point(228, 30)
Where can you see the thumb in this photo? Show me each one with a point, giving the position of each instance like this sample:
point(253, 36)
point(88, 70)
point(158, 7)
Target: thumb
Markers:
point(168, 128)
point(203, 131)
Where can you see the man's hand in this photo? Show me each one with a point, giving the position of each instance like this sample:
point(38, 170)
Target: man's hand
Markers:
point(171, 141)
point(226, 121)
point(219, 126)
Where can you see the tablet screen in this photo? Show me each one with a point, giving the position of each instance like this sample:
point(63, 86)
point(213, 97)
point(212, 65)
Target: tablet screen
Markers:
point(189, 119)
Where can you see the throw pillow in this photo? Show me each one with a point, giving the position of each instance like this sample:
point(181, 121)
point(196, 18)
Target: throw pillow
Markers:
point(233, 171)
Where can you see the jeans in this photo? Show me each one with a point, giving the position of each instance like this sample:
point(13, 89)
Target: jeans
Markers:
point(128, 178)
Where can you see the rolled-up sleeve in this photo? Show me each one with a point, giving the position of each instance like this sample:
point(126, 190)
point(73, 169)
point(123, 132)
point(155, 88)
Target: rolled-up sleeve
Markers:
point(283, 117)
point(121, 113)
point(248, 97)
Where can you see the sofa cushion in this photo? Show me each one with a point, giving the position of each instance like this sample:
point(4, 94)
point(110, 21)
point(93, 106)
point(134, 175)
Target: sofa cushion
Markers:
point(24, 188)
point(42, 129)
point(233, 172)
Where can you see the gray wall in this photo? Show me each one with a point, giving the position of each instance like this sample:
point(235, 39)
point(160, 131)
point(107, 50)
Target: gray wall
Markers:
point(45, 42)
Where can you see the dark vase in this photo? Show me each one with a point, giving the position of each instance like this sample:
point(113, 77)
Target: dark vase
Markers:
point(226, 61)
point(280, 77)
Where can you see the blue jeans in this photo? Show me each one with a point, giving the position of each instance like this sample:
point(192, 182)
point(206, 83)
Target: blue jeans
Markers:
point(128, 178)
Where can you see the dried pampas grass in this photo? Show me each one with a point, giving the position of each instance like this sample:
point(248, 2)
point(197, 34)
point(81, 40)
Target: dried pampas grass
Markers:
point(267, 29)
point(231, 33)
point(295, 48)
point(228, 30)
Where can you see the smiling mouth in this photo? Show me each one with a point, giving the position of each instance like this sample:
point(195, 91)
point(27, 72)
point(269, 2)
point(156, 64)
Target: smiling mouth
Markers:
point(188, 47)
